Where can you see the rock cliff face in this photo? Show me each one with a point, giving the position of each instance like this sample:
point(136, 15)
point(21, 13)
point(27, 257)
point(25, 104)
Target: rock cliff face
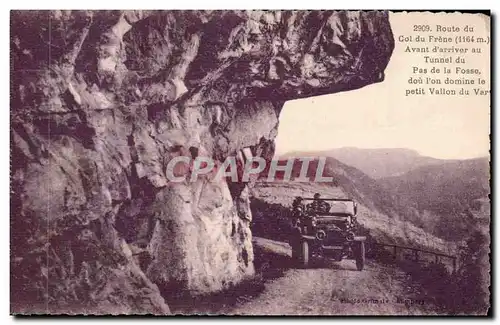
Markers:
point(102, 101)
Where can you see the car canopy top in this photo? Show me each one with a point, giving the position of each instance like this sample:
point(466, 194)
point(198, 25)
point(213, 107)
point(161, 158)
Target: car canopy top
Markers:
point(338, 206)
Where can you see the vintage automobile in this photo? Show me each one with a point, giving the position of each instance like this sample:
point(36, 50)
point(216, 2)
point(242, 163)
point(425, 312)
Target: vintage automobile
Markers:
point(326, 228)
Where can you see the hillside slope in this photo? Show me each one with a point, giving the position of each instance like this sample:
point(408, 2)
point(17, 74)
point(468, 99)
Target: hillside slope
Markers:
point(445, 198)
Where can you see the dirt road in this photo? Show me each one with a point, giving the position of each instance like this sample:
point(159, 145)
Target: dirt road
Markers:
point(332, 288)
point(326, 288)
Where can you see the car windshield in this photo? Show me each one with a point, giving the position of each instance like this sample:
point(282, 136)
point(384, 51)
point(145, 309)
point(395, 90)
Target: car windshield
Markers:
point(330, 214)
point(332, 208)
point(342, 207)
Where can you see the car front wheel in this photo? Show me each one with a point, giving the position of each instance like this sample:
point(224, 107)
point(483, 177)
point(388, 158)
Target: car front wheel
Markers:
point(359, 254)
point(304, 254)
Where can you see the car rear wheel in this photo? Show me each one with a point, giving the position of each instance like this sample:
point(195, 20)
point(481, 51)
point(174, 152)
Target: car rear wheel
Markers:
point(295, 250)
point(360, 255)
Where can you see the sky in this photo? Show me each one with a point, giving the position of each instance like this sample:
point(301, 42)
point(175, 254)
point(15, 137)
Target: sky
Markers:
point(382, 116)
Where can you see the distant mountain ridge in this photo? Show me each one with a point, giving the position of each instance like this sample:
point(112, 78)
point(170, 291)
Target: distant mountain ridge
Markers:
point(380, 163)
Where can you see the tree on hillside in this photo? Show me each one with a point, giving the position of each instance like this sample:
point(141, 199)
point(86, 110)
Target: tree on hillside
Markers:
point(472, 277)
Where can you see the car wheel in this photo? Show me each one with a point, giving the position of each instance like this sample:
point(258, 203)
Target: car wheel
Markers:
point(360, 255)
point(295, 250)
point(304, 254)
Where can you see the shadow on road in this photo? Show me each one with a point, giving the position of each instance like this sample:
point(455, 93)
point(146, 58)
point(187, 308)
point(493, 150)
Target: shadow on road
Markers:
point(268, 266)
point(269, 262)
point(325, 263)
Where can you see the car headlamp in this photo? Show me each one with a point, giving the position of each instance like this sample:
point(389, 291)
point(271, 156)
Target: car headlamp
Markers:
point(321, 234)
point(349, 236)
